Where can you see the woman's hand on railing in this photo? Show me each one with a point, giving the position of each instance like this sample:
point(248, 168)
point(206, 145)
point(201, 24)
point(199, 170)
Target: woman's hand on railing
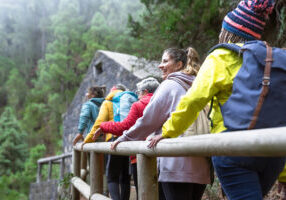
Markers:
point(82, 145)
point(114, 145)
point(282, 190)
point(77, 138)
point(154, 141)
point(97, 133)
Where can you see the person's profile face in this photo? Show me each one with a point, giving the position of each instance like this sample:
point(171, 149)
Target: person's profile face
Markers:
point(168, 65)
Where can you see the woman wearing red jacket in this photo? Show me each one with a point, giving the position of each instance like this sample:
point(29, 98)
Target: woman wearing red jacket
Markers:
point(145, 90)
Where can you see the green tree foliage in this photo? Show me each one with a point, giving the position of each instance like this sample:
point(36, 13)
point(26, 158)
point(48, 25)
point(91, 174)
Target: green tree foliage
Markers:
point(177, 23)
point(16, 185)
point(16, 89)
point(13, 147)
point(57, 76)
point(6, 65)
point(194, 23)
point(46, 48)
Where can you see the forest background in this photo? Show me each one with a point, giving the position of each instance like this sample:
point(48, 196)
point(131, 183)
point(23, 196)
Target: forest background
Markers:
point(46, 47)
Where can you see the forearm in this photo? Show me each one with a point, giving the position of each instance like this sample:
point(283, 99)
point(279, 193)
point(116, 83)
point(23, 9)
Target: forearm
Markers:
point(116, 128)
point(88, 138)
point(144, 126)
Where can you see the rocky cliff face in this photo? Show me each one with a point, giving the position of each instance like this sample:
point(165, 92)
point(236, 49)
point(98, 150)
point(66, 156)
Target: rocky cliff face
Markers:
point(45, 190)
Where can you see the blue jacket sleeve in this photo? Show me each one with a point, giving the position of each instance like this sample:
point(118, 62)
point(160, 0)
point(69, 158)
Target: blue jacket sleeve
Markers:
point(84, 117)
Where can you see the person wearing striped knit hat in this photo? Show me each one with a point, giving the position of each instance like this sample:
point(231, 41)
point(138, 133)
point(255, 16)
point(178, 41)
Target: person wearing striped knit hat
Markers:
point(242, 178)
point(247, 21)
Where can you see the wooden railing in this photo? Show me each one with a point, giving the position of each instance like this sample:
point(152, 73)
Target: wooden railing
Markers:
point(261, 142)
point(50, 161)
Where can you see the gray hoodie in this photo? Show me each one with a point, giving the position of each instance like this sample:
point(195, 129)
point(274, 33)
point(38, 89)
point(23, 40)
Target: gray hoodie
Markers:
point(161, 105)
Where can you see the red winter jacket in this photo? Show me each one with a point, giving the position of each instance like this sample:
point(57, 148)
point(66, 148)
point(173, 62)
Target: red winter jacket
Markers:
point(136, 111)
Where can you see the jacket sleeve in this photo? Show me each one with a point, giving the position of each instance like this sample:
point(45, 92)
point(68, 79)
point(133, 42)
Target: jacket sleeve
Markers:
point(155, 113)
point(84, 118)
point(116, 128)
point(212, 78)
point(103, 116)
point(282, 175)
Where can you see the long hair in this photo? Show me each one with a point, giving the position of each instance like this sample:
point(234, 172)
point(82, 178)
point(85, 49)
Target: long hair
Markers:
point(193, 62)
point(226, 36)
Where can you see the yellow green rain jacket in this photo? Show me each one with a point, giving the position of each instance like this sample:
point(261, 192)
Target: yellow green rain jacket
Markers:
point(214, 79)
point(105, 114)
point(282, 176)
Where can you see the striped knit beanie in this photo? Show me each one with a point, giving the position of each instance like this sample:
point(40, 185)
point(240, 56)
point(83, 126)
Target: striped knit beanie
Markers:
point(248, 19)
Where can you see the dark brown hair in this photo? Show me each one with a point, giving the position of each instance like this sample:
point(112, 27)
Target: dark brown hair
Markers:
point(97, 91)
point(189, 58)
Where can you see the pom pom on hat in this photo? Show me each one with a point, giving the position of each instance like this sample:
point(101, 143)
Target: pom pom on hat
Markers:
point(260, 7)
point(248, 19)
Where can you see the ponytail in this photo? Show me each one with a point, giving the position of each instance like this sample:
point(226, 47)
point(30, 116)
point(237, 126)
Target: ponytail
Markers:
point(193, 62)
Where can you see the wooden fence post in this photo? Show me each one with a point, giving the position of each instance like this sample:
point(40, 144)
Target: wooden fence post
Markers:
point(96, 173)
point(84, 165)
point(62, 172)
point(50, 170)
point(39, 173)
point(147, 177)
point(76, 172)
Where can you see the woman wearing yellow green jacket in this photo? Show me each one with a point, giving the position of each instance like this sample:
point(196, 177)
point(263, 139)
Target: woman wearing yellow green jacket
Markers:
point(244, 178)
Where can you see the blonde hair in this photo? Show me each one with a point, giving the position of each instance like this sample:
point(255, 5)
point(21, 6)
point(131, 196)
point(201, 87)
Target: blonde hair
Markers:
point(226, 36)
point(193, 62)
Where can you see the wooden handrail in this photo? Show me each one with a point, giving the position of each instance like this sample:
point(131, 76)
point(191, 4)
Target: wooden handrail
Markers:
point(259, 142)
point(52, 160)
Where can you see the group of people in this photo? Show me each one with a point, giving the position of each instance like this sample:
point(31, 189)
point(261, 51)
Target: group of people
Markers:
point(166, 110)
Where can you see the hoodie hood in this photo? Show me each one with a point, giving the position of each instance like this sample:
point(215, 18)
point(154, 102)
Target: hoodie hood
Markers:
point(112, 94)
point(183, 79)
point(97, 100)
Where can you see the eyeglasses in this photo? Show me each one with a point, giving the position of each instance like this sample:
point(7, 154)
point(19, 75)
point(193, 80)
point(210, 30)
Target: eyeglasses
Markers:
point(137, 92)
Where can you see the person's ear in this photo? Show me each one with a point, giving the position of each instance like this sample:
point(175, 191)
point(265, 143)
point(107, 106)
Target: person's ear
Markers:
point(179, 66)
point(145, 92)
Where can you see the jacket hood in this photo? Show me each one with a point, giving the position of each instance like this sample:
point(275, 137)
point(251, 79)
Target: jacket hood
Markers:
point(145, 99)
point(183, 79)
point(112, 94)
point(97, 100)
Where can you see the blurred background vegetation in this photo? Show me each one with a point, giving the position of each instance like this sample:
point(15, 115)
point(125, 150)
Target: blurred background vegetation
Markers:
point(46, 47)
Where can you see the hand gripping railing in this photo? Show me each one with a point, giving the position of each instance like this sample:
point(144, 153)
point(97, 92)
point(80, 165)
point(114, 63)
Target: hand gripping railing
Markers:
point(260, 142)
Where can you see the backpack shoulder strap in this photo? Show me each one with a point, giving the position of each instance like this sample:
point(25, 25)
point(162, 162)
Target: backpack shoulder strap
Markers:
point(230, 46)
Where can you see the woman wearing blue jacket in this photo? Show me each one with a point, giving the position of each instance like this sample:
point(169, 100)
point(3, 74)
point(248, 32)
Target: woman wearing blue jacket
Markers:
point(89, 111)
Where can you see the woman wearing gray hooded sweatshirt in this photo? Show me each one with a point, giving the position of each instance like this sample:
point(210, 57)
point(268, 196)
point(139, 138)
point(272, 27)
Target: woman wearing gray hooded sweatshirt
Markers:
point(179, 177)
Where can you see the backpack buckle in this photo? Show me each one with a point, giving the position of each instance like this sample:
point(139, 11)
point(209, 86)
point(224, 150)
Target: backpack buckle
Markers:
point(266, 80)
